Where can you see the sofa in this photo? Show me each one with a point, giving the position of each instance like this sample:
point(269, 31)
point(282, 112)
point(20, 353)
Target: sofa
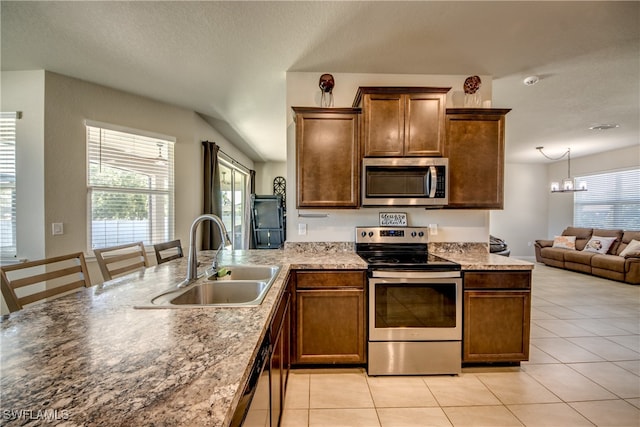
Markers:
point(588, 254)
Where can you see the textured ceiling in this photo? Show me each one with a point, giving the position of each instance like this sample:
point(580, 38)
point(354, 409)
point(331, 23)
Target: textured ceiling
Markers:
point(228, 60)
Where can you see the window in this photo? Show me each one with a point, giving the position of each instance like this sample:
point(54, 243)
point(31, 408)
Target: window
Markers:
point(130, 186)
point(612, 201)
point(233, 184)
point(8, 184)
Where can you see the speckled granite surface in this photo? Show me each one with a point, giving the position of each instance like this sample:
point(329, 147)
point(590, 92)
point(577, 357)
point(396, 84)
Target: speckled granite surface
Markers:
point(99, 361)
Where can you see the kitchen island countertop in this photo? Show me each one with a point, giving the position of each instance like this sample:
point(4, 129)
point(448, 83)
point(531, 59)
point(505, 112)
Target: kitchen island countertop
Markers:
point(92, 359)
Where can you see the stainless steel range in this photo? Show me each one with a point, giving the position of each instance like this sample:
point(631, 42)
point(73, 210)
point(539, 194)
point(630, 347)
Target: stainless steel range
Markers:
point(415, 303)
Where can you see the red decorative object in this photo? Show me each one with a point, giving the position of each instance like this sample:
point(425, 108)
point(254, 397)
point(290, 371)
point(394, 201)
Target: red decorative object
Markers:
point(472, 84)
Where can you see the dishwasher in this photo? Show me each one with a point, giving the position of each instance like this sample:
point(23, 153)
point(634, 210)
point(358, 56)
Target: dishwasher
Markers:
point(253, 407)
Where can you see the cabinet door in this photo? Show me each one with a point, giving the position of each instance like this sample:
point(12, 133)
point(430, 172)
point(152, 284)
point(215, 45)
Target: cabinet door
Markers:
point(327, 158)
point(383, 125)
point(424, 124)
point(276, 381)
point(496, 326)
point(330, 326)
point(475, 148)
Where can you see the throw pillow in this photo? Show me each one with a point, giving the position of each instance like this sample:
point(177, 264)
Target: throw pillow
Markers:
point(565, 242)
point(598, 244)
point(632, 249)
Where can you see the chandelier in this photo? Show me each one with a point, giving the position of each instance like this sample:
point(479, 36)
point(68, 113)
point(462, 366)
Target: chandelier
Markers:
point(569, 184)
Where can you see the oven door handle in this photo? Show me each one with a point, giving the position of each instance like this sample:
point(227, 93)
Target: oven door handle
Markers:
point(398, 274)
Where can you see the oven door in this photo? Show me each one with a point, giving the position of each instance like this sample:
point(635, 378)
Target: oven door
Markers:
point(410, 308)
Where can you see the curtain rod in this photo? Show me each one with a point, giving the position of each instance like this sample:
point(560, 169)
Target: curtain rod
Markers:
point(231, 159)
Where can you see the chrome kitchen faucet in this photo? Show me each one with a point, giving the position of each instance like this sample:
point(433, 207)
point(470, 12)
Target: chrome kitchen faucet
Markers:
point(192, 261)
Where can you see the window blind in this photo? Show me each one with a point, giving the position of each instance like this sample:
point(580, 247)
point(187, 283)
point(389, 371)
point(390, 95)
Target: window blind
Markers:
point(8, 184)
point(130, 182)
point(612, 201)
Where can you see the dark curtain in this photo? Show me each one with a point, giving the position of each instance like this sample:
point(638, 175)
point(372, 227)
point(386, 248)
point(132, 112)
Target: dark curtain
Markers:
point(212, 195)
point(247, 233)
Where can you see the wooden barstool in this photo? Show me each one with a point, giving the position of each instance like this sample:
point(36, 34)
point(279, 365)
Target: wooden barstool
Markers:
point(122, 259)
point(54, 276)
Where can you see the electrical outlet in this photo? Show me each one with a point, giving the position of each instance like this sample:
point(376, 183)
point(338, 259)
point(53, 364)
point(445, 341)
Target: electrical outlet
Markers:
point(302, 229)
point(529, 244)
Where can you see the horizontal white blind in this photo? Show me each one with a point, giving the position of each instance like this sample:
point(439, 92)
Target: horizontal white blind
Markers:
point(130, 181)
point(8, 184)
point(611, 201)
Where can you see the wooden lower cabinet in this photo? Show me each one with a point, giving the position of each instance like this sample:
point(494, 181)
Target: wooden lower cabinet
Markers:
point(330, 317)
point(496, 318)
point(279, 363)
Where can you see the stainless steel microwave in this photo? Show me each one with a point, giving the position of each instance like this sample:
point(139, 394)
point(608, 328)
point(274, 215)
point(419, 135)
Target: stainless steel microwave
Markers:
point(405, 181)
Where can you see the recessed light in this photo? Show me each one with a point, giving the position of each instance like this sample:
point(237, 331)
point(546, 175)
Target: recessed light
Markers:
point(531, 80)
point(604, 126)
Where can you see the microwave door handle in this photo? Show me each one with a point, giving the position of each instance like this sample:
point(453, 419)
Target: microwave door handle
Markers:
point(433, 181)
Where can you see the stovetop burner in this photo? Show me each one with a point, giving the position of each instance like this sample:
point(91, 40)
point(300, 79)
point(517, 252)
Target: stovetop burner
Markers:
point(404, 248)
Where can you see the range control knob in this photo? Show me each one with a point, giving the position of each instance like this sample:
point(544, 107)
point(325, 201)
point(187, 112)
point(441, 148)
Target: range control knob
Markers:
point(371, 234)
point(421, 234)
point(363, 234)
point(413, 234)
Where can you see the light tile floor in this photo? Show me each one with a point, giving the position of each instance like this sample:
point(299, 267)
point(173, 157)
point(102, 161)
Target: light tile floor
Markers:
point(584, 370)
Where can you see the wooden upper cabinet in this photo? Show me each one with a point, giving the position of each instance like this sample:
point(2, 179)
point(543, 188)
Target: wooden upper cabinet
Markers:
point(327, 157)
point(402, 121)
point(475, 148)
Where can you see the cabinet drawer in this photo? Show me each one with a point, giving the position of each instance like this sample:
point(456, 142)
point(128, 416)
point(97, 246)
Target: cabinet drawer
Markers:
point(497, 280)
point(330, 279)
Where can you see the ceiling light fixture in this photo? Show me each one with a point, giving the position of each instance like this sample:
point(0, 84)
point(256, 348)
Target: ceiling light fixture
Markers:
point(604, 126)
point(569, 185)
point(531, 80)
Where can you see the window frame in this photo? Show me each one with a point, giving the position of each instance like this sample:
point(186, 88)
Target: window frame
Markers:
point(620, 197)
point(155, 233)
point(8, 167)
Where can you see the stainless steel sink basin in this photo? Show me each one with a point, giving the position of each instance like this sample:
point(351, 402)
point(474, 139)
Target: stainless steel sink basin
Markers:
point(223, 293)
point(245, 286)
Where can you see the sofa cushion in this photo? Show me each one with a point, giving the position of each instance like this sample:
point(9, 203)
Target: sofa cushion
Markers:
point(627, 237)
point(554, 253)
point(601, 232)
point(580, 257)
point(582, 235)
point(564, 242)
point(632, 249)
point(578, 261)
point(599, 244)
point(608, 262)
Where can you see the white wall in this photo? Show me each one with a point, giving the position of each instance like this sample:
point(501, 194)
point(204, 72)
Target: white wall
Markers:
point(454, 225)
point(24, 92)
point(524, 218)
point(266, 172)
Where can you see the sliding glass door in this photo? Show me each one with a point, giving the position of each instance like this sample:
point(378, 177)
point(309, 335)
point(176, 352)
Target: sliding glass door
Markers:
point(233, 184)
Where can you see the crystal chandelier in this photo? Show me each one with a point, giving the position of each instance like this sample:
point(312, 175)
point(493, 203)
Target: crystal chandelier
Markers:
point(569, 184)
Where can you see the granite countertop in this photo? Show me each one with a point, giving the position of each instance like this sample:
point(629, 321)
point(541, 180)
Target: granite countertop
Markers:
point(91, 358)
point(75, 356)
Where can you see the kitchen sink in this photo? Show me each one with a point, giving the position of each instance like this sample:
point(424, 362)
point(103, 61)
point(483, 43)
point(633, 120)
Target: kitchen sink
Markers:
point(244, 286)
point(236, 292)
